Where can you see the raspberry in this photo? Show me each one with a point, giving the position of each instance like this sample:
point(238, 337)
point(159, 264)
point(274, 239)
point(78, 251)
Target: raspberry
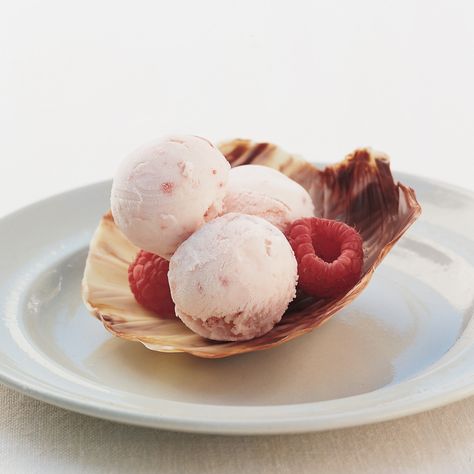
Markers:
point(329, 255)
point(148, 279)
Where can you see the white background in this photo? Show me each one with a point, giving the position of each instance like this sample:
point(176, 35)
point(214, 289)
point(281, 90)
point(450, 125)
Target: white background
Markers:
point(83, 83)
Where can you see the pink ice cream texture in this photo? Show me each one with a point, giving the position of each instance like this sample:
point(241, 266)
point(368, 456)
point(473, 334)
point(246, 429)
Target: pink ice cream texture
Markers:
point(233, 279)
point(165, 191)
point(265, 192)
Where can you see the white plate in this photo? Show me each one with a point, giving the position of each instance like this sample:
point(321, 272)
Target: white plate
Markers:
point(405, 345)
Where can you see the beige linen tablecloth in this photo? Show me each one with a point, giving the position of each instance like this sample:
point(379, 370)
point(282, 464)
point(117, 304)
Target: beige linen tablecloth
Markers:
point(39, 438)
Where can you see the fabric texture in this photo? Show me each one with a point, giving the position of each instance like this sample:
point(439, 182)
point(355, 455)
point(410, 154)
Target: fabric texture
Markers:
point(39, 438)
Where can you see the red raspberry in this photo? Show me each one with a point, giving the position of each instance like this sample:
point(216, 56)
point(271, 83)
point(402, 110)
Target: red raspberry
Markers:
point(148, 279)
point(329, 255)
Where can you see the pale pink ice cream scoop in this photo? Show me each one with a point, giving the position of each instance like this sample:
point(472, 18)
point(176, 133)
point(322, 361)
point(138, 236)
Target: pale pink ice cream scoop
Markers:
point(166, 190)
point(233, 279)
point(265, 192)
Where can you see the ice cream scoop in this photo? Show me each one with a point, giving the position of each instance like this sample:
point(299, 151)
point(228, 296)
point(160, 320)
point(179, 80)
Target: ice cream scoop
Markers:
point(166, 190)
point(267, 193)
point(233, 279)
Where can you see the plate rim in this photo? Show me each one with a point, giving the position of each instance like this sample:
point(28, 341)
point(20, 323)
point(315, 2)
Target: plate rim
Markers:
point(234, 427)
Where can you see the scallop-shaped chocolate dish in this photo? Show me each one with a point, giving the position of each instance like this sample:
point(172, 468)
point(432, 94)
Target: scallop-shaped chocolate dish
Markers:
point(359, 191)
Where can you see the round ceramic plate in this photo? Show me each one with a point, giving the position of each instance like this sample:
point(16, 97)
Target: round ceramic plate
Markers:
point(406, 344)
